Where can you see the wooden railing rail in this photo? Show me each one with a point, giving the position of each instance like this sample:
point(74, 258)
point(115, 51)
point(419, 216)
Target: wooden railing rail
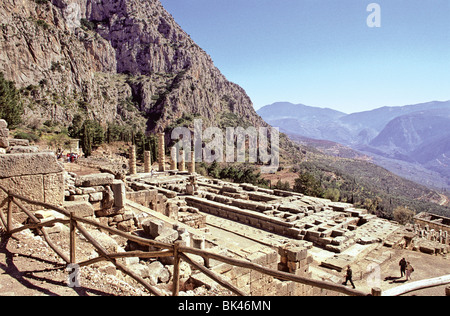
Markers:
point(176, 250)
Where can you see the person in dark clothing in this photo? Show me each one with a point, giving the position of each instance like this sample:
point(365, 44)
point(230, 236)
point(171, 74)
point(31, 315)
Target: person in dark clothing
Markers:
point(402, 265)
point(348, 277)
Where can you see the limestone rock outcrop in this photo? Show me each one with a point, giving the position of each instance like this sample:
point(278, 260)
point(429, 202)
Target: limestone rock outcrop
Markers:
point(113, 61)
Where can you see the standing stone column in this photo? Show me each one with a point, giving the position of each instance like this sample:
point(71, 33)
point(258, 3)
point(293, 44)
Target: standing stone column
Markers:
point(120, 193)
point(161, 153)
point(147, 161)
point(132, 161)
point(191, 164)
point(182, 162)
point(4, 134)
point(173, 158)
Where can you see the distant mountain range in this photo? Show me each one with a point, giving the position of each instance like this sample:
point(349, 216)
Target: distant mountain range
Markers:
point(412, 141)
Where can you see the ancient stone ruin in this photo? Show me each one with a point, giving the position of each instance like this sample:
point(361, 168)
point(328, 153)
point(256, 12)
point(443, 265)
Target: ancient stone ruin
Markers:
point(281, 230)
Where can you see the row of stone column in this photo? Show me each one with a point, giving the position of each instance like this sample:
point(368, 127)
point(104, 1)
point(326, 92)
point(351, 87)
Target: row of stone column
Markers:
point(181, 165)
point(174, 164)
point(441, 236)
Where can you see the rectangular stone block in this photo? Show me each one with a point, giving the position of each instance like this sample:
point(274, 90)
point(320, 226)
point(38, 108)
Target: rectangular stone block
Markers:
point(15, 165)
point(126, 226)
point(168, 236)
point(153, 227)
point(30, 186)
point(120, 193)
point(19, 142)
point(243, 280)
point(257, 258)
point(54, 188)
point(79, 198)
point(222, 268)
point(94, 180)
point(296, 253)
point(82, 209)
point(4, 133)
point(95, 197)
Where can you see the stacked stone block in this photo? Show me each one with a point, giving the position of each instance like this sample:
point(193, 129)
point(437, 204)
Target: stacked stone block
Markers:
point(132, 161)
point(91, 188)
point(182, 161)
point(190, 216)
point(249, 281)
point(161, 153)
point(295, 260)
point(173, 158)
point(37, 176)
point(191, 164)
point(100, 195)
point(4, 135)
point(147, 161)
point(432, 227)
point(154, 200)
point(254, 218)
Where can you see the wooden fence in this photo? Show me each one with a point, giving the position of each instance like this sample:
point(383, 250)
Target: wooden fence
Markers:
point(176, 250)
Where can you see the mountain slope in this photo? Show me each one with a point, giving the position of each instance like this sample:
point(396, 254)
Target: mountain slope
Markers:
point(127, 62)
point(349, 129)
point(409, 132)
point(377, 119)
point(398, 138)
point(301, 112)
point(112, 61)
point(420, 137)
point(307, 121)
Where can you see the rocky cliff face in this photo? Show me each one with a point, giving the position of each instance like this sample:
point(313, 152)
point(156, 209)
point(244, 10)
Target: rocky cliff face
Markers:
point(115, 61)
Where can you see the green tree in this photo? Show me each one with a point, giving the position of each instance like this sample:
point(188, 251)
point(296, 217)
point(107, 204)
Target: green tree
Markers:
point(11, 108)
point(214, 170)
point(116, 133)
point(75, 128)
point(332, 194)
point(280, 185)
point(403, 215)
point(86, 140)
point(89, 132)
point(307, 184)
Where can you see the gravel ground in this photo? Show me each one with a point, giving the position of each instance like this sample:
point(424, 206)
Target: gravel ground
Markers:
point(29, 268)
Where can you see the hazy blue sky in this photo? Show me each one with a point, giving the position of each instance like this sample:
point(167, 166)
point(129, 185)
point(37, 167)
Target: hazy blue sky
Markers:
point(322, 52)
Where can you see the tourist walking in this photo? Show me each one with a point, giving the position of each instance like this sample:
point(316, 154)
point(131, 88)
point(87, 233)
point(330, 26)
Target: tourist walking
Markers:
point(402, 265)
point(349, 276)
point(409, 270)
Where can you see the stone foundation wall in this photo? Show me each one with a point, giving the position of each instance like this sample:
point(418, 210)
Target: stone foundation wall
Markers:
point(295, 260)
point(99, 196)
point(433, 227)
point(255, 219)
point(37, 176)
point(155, 201)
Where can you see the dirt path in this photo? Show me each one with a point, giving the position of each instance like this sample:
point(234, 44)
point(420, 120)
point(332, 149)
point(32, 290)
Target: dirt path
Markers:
point(79, 169)
point(425, 267)
point(29, 268)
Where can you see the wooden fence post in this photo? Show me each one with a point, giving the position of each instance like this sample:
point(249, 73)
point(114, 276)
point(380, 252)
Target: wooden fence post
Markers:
point(9, 216)
point(376, 291)
point(447, 291)
point(176, 269)
point(213, 276)
point(72, 239)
